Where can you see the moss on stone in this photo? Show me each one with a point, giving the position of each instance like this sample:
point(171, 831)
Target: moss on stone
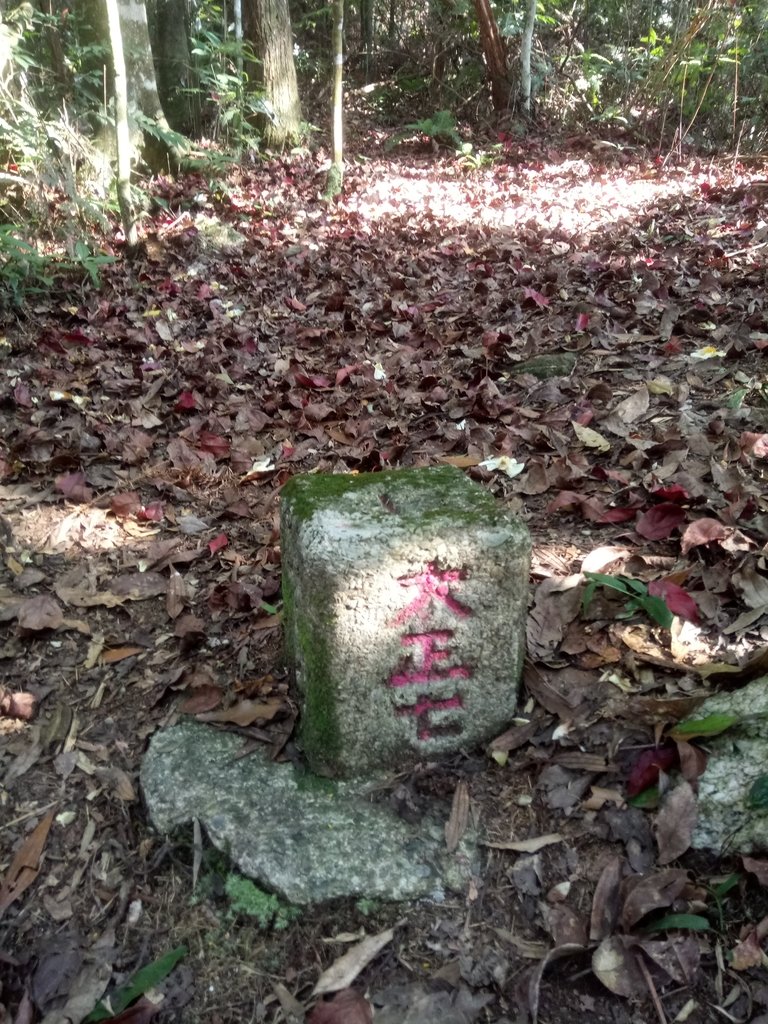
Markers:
point(307, 493)
point(318, 729)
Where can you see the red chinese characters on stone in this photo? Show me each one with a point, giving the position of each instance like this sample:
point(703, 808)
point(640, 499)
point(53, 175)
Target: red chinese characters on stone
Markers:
point(429, 656)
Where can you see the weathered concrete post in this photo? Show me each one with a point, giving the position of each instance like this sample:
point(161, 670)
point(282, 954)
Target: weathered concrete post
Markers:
point(405, 599)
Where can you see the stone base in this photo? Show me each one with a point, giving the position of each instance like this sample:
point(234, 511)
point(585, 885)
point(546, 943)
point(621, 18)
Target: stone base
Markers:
point(306, 838)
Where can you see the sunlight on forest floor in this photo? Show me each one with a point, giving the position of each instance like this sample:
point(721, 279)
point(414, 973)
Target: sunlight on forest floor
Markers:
point(570, 196)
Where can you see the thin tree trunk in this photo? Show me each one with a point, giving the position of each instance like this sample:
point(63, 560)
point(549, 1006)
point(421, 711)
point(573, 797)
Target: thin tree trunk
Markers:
point(525, 55)
point(495, 55)
point(122, 130)
point(336, 171)
point(366, 35)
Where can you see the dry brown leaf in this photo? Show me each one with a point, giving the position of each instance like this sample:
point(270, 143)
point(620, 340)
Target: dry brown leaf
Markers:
point(176, 596)
point(456, 825)
point(343, 971)
point(119, 654)
point(615, 964)
point(118, 782)
point(605, 901)
point(528, 845)
point(675, 822)
point(245, 712)
point(25, 865)
point(39, 613)
point(651, 892)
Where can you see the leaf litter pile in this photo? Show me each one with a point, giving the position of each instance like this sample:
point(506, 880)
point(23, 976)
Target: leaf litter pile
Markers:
point(583, 338)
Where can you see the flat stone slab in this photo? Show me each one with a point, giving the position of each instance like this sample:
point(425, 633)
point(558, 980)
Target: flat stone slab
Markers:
point(306, 838)
point(405, 597)
point(737, 758)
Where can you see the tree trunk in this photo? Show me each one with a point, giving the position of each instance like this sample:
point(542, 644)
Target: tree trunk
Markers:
point(525, 55)
point(495, 55)
point(267, 25)
point(366, 37)
point(169, 34)
point(162, 148)
point(122, 131)
point(336, 171)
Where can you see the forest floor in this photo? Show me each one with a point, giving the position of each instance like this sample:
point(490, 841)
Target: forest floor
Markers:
point(147, 428)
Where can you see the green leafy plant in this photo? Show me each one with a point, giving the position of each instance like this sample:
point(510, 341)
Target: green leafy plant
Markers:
point(23, 270)
point(440, 128)
point(142, 981)
point(91, 262)
point(636, 594)
point(246, 898)
point(473, 160)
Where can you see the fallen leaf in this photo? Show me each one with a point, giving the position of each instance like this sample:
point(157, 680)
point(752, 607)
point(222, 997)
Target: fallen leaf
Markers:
point(25, 866)
point(591, 438)
point(456, 825)
point(527, 845)
point(343, 971)
point(659, 522)
point(675, 822)
point(676, 599)
point(39, 613)
point(245, 712)
point(702, 531)
point(346, 1007)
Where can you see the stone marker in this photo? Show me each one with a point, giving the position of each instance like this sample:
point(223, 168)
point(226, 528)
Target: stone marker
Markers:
point(405, 598)
point(737, 758)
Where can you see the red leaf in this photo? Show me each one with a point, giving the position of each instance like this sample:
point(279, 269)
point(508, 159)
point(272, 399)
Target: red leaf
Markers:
point(672, 348)
point(218, 543)
point(347, 371)
point(703, 531)
point(151, 513)
point(676, 599)
point(645, 771)
point(212, 443)
point(72, 486)
point(141, 1012)
point(314, 380)
point(568, 500)
point(185, 402)
point(675, 492)
point(659, 522)
point(582, 321)
point(346, 1007)
point(594, 510)
point(537, 297)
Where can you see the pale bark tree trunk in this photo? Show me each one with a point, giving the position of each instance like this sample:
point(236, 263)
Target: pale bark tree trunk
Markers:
point(267, 25)
point(525, 55)
point(160, 150)
point(495, 55)
point(122, 130)
point(336, 171)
